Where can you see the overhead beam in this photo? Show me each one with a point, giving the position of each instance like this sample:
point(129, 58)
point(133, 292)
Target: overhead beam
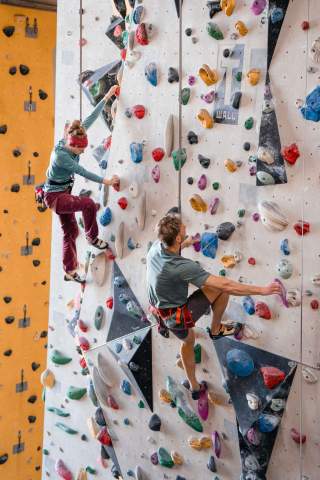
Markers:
point(50, 5)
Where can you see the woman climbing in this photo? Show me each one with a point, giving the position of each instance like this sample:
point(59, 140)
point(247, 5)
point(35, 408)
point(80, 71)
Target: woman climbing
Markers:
point(64, 164)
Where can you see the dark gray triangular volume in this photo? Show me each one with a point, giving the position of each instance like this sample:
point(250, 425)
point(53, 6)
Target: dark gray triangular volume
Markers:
point(269, 138)
point(177, 4)
point(141, 356)
point(255, 458)
point(274, 28)
point(112, 454)
point(116, 39)
point(122, 322)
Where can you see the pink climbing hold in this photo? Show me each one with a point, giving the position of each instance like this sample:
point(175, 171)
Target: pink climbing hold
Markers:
point(83, 327)
point(202, 182)
point(155, 173)
point(283, 294)
point(138, 111)
point(213, 206)
point(291, 153)
point(272, 376)
point(141, 34)
point(109, 303)
point(251, 261)
point(123, 203)
point(107, 142)
point(62, 470)
point(302, 228)
point(216, 442)
point(262, 310)
point(117, 32)
point(84, 344)
point(83, 42)
point(111, 402)
point(297, 437)
point(203, 403)
point(158, 154)
point(104, 437)
point(258, 6)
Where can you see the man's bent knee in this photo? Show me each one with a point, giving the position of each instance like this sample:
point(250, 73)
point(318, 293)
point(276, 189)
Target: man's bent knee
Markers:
point(212, 293)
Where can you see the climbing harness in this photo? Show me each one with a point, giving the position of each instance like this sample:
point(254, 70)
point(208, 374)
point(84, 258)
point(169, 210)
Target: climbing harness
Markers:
point(181, 315)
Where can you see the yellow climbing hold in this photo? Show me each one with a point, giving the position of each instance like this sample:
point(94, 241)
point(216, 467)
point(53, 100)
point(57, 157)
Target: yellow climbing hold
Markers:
point(208, 75)
point(230, 165)
point(47, 378)
point(165, 396)
point(228, 6)
point(253, 76)
point(198, 204)
point(92, 427)
point(176, 458)
point(228, 261)
point(82, 475)
point(241, 28)
point(194, 443)
point(205, 442)
point(205, 118)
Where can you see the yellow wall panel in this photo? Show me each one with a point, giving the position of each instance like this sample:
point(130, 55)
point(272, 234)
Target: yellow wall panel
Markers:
point(20, 279)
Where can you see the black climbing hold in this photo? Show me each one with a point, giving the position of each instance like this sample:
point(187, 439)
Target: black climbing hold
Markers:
point(44, 282)
point(9, 319)
point(246, 146)
point(78, 349)
point(236, 99)
point(16, 152)
point(3, 458)
point(7, 299)
point(3, 129)
point(115, 472)
point(177, 4)
point(155, 423)
point(212, 464)
point(84, 438)
point(44, 334)
point(134, 367)
point(173, 75)
point(13, 70)
point(226, 52)
point(36, 242)
point(204, 161)
point(15, 188)
point(214, 7)
point(5, 211)
point(225, 230)
point(192, 138)
point(35, 366)
point(188, 32)
point(173, 211)
point(24, 69)
point(37, 468)
point(36, 263)
point(42, 94)
point(7, 353)
point(190, 181)
point(186, 383)
point(99, 417)
point(8, 31)
point(104, 454)
point(32, 399)
point(35, 154)
point(178, 477)
point(85, 193)
point(32, 418)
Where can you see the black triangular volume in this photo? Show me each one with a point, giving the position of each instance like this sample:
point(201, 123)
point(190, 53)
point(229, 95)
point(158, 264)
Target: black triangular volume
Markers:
point(113, 456)
point(269, 138)
point(122, 322)
point(136, 363)
point(177, 4)
point(117, 23)
point(274, 27)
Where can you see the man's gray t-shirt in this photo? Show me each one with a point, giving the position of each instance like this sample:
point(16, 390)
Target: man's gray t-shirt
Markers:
point(169, 275)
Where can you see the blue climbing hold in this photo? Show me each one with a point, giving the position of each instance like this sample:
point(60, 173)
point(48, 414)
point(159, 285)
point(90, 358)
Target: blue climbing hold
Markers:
point(267, 423)
point(131, 244)
point(239, 363)
point(138, 14)
point(276, 15)
point(126, 421)
point(118, 281)
point(151, 73)
point(284, 247)
point(118, 347)
point(103, 164)
point(209, 244)
point(136, 152)
point(106, 217)
point(130, 473)
point(311, 110)
point(112, 237)
point(248, 305)
point(126, 387)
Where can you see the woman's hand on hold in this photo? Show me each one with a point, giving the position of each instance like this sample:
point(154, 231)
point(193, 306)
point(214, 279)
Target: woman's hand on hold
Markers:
point(114, 180)
point(114, 90)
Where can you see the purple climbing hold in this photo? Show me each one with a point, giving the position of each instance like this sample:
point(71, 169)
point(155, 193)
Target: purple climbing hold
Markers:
point(258, 6)
point(154, 458)
point(216, 442)
point(239, 362)
point(254, 436)
point(213, 206)
point(191, 80)
point(197, 243)
point(202, 182)
point(256, 217)
point(155, 173)
point(248, 305)
point(208, 97)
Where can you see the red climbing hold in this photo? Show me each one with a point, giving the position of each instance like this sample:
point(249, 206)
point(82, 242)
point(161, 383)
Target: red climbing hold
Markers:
point(138, 111)
point(141, 34)
point(305, 25)
point(291, 153)
point(63, 471)
point(107, 143)
point(297, 437)
point(109, 303)
point(123, 54)
point(84, 344)
point(82, 326)
point(272, 376)
point(83, 363)
point(158, 154)
point(123, 203)
point(262, 310)
point(302, 228)
point(117, 92)
point(110, 255)
point(251, 261)
point(111, 402)
point(314, 304)
point(104, 437)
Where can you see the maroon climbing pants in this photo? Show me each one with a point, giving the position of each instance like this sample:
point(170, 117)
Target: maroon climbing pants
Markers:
point(65, 205)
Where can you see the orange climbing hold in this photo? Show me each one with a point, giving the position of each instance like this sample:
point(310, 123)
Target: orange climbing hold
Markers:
point(198, 204)
point(241, 28)
point(205, 118)
point(253, 76)
point(208, 75)
point(230, 165)
point(272, 376)
point(228, 6)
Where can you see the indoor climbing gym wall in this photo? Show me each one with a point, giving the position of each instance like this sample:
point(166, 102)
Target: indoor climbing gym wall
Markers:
point(27, 43)
point(217, 118)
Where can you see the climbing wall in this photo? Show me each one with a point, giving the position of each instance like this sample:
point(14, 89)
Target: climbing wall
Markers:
point(27, 62)
point(237, 168)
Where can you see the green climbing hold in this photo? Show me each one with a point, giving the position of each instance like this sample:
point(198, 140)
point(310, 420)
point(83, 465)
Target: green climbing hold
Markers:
point(45, 451)
point(216, 185)
point(65, 428)
point(185, 95)
point(179, 158)
point(248, 124)
point(75, 393)
point(58, 411)
point(239, 76)
point(192, 420)
point(222, 273)
point(59, 359)
point(91, 470)
point(98, 317)
point(136, 340)
point(214, 31)
point(197, 353)
point(141, 404)
point(164, 458)
point(241, 212)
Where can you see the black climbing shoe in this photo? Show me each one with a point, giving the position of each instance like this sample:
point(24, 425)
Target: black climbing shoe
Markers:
point(74, 277)
point(100, 244)
point(228, 330)
point(195, 394)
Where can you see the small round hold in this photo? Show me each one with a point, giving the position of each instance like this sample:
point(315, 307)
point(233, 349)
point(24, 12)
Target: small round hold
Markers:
point(15, 188)
point(36, 263)
point(251, 261)
point(24, 69)
point(190, 181)
point(246, 146)
point(305, 25)
point(42, 94)
point(194, 40)
point(226, 52)
point(188, 32)
point(16, 152)
point(13, 70)
point(314, 304)
point(35, 154)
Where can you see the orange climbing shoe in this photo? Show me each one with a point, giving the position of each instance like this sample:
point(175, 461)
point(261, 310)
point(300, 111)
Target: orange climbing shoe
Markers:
point(226, 330)
point(74, 277)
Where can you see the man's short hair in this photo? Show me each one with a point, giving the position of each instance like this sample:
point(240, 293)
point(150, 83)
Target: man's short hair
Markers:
point(168, 228)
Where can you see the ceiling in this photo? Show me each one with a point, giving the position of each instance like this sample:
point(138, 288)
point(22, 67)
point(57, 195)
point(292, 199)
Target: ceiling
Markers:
point(39, 4)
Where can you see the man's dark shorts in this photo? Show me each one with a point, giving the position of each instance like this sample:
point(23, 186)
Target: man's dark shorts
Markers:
point(198, 304)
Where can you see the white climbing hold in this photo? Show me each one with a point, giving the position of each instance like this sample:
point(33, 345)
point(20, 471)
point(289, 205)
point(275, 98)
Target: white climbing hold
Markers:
point(293, 297)
point(309, 376)
point(134, 190)
point(98, 269)
point(141, 210)
point(253, 401)
point(119, 242)
point(271, 216)
point(104, 369)
point(169, 136)
point(315, 50)
point(104, 195)
point(250, 332)
point(316, 280)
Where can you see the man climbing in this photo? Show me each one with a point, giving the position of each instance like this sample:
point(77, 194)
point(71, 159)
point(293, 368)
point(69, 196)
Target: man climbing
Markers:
point(64, 164)
point(168, 278)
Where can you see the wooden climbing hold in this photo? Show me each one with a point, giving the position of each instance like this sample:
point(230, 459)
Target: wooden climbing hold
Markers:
point(165, 396)
point(241, 28)
point(205, 118)
point(141, 210)
point(228, 261)
point(119, 241)
point(169, 136)
point(176, 458)
point(253, 76)
point(198, 204)
point(208, 75)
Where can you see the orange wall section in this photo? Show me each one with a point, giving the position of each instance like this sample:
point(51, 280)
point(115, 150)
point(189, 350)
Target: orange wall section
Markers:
point(21, 277)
